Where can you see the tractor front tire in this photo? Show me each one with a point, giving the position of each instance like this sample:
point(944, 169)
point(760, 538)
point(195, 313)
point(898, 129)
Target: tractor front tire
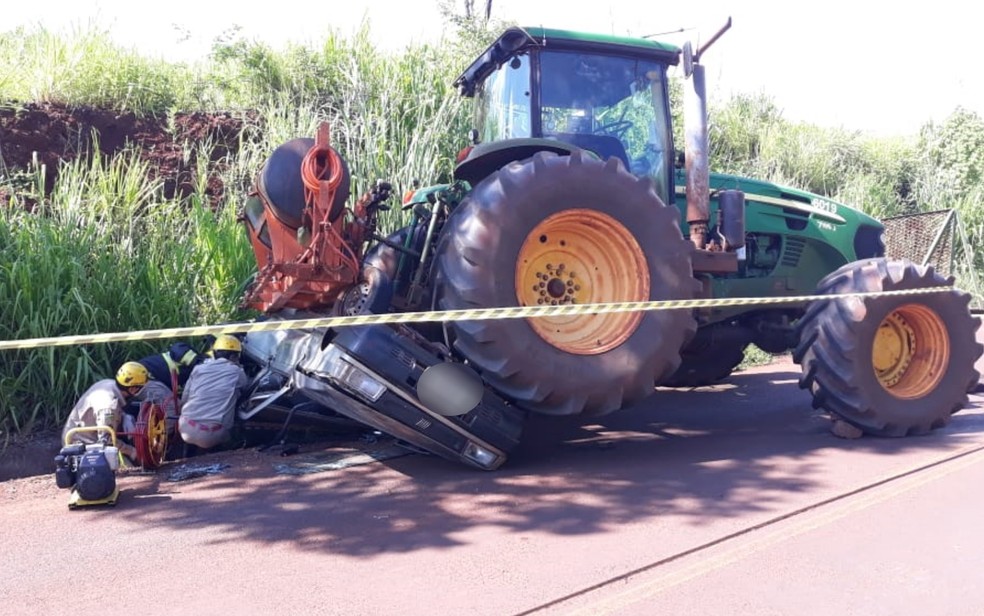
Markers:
point(889, 365)
point(553, 230)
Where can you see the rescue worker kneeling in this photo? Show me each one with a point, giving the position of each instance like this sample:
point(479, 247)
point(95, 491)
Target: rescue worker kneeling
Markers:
point(208, 403)
point(103, 405)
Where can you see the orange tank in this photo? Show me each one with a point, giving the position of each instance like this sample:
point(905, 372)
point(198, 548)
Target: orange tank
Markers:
point(306, 252)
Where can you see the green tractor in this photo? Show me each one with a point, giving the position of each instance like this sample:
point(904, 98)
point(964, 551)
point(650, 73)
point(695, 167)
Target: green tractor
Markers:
point(573, 192)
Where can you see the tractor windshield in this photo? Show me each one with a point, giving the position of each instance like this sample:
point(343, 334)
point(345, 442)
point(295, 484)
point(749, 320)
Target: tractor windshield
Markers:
point(610, 105)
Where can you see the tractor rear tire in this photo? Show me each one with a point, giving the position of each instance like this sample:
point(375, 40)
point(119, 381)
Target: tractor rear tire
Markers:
point(558, 230)
point(712, 356)
point(372, 295)
point(889, 365)
point(387, 259)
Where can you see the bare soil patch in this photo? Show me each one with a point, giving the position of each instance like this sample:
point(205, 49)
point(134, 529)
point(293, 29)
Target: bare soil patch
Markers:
point(50, 134)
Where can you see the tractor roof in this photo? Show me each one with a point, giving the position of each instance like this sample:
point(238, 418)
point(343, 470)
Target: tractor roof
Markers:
point(516, 39)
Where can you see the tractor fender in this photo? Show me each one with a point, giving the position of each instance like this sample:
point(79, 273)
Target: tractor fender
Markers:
point(485, 159)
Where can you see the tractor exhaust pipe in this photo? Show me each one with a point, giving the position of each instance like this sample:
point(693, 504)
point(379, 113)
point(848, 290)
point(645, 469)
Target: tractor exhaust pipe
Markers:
point(695, 154)
point(695, 141)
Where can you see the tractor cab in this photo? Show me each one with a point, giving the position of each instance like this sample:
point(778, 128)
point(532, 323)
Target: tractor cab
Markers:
point(603, 94)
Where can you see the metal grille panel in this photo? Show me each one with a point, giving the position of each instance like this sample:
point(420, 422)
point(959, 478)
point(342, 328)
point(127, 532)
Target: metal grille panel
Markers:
point(794, 250)
point(925, 237)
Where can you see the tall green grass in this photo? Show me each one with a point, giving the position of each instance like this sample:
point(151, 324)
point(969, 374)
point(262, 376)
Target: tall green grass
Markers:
point(104, 252)
point(750, 137)
point(86, 68)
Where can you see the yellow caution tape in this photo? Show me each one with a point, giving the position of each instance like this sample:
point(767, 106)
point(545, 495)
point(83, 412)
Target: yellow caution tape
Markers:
point(477, 314)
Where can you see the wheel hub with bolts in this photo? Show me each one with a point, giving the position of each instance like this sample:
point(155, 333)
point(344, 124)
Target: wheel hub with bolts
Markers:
point(895, 345)
point(556, 286)
point(581, 256)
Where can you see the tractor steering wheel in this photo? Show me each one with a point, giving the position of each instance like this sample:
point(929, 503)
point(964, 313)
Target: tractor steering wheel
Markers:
point(615, 129)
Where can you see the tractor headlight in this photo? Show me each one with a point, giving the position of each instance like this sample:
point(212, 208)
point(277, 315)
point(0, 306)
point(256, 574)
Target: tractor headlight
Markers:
point(341, 370)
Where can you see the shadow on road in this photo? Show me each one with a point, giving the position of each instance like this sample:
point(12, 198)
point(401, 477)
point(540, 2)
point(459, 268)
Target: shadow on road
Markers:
point(706, 454)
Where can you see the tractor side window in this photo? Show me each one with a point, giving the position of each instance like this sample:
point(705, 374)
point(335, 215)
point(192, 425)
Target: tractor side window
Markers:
point(502, 102)
point(649, 144)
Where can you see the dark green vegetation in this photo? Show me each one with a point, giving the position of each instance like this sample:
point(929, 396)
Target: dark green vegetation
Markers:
point(102, 243)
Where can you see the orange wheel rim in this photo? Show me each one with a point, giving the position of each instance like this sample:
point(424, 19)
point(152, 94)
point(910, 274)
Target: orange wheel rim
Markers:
point(911, 351)
point(582, 256)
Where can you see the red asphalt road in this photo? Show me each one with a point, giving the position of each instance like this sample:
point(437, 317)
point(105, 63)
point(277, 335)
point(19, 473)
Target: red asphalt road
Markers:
point(679, 480)
point(912, 546)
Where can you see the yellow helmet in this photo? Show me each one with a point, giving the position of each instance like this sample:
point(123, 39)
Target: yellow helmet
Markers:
point(225, 342)
point(132, 374)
